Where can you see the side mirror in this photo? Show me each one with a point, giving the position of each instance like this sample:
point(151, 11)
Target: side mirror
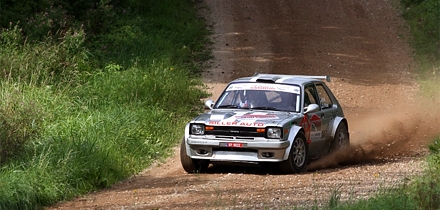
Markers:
point(311, 108)
point(209, 103)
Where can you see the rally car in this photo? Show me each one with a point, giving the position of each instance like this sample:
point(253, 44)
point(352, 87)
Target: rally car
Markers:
point(285, 120)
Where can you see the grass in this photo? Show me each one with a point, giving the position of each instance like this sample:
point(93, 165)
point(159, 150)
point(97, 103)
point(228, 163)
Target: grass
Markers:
point(83, 112)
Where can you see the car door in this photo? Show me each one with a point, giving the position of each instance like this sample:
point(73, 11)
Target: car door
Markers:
point(316, 120)
point(328, 113)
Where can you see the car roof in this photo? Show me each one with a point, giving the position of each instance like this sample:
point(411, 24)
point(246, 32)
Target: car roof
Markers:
point(282, 79)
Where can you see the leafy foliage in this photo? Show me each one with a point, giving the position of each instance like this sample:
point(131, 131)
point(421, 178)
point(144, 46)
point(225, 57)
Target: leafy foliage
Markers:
point(92, 92)
point(55, 17)
point(423, 16)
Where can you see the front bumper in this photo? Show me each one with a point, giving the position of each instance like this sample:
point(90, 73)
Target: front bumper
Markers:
point(236, 149)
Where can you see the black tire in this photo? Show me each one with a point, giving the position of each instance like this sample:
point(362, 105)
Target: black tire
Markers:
point(298, 156)
point(341, 139)
point(191, 165)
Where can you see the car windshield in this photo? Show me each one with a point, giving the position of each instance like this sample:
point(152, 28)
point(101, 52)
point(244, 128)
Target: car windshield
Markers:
point(278, 97)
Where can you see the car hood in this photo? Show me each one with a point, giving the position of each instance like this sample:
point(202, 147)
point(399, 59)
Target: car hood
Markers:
point(246, 118)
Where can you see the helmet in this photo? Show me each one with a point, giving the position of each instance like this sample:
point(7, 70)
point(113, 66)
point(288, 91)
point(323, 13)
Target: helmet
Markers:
point(255, 98)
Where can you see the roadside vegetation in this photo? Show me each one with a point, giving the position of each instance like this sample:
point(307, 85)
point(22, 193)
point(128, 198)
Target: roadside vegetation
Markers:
point(423, 18)
point(423, 192)
point(92, 92)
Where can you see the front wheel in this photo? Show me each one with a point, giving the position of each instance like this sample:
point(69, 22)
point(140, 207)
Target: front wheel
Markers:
point(298, 156)
point(191, 165)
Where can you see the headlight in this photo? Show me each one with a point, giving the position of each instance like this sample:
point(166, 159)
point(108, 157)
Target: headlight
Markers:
point(197, 129)
point(274, 133)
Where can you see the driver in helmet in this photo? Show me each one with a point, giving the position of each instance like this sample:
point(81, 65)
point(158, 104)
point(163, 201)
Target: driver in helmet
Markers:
point(254, 98)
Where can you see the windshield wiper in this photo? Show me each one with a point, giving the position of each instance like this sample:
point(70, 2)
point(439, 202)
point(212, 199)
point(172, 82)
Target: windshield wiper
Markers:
point(266, 108)
point(228, 106)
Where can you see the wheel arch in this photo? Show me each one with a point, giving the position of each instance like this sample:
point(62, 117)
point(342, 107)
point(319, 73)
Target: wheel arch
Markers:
point(186, 136)
point(336, 123)
point(292, 134)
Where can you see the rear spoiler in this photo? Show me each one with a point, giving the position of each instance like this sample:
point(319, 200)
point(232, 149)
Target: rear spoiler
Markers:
point(275, 77)
point(326, 77)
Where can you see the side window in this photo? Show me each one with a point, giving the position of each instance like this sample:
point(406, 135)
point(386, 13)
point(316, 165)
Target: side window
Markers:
point(324, 98)
point(310, 96)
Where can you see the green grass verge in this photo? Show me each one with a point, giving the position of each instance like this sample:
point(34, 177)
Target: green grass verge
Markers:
point(87, 112)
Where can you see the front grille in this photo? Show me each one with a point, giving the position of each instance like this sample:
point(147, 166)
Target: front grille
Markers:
point(234, 131)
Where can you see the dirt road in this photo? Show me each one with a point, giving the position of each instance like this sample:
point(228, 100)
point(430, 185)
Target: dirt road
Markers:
point(359, 44)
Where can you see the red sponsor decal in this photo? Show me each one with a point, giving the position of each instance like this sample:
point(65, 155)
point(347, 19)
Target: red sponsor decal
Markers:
point(305, 123)
point(257, 116)
point(315, 119)
point(262, 87)
point(254, 124)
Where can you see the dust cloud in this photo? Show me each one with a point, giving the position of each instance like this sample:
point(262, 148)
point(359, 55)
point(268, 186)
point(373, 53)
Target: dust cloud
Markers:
point(387, 135)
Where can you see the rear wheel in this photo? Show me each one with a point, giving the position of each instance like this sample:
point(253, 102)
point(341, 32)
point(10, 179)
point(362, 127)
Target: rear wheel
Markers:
point(191, 165)
point(298, 156)
point(341, 139)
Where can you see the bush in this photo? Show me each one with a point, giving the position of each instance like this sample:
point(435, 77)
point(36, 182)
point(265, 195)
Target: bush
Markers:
point(423, 18)
point(40, 18)
point(20, 120)
point(53, 62)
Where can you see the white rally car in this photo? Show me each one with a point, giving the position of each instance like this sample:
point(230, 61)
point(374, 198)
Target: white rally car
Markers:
point(267, 119)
